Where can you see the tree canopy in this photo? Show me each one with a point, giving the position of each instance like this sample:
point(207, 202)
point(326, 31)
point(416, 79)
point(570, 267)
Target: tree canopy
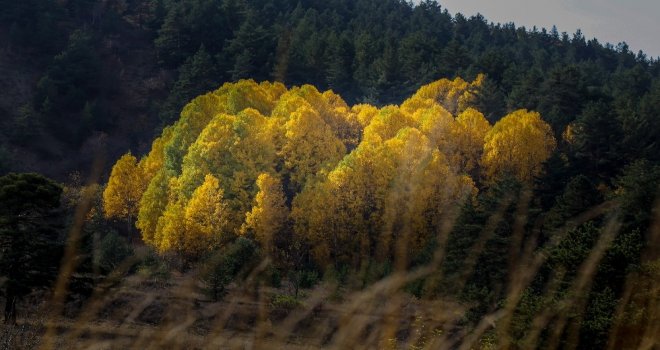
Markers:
point(258, 159)
point(30, 240)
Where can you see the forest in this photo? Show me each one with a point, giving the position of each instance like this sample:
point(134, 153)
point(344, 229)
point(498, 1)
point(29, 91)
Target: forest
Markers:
point(341, 173)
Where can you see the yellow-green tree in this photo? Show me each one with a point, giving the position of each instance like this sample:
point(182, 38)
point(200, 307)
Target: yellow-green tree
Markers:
point(194, 118)
point(152, 205)
point(235, 149)
point(124, 190)
point(171, 229)
point(517, 145)
point(269, 216)
point(154, 161)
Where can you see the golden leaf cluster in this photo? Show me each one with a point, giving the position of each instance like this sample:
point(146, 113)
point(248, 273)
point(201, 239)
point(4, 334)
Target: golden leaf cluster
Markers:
point(348, 182)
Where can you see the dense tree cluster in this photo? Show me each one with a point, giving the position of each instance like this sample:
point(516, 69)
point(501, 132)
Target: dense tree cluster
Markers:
point(278, 164)
point(322, 185)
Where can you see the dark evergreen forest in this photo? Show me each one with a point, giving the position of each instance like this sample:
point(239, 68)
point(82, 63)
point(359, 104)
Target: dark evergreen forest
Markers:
point(83, 81)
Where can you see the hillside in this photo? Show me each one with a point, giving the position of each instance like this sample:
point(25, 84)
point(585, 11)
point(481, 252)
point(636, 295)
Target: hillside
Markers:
point(322, 174)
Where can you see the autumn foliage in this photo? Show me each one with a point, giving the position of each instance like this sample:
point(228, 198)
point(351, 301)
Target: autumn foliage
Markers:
point(298, 165)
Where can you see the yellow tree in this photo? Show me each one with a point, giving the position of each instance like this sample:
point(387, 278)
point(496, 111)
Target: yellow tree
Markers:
point(205, 218)
point(341, 119)
point(332, 213)
point(154, 161)
point(309, 146)
point(388, 122)
point(416, 103)
point(248, 94)
point(438, 191)
point(420, 187)
point(268, 218)
point(124, 190)
point(383, 199)
point(324, 221)
point(436, 123)
point(170, 224)
point(454, 95)
point(517, 145)
point(251, 153)
point(330, 107)
point(364, 113)
point(409, 153)
point(469, 133)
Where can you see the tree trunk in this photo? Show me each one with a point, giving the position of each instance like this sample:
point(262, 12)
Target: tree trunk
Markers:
point(130, 224)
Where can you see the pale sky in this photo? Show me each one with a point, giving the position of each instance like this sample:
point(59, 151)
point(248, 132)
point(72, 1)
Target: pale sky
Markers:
point(637, 22)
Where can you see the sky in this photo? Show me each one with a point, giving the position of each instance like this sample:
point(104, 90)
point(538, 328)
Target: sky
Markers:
point(637, 22)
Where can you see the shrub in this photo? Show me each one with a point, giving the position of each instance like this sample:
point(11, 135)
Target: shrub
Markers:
point(228, 263)
point(114, 250)
point(284, 301)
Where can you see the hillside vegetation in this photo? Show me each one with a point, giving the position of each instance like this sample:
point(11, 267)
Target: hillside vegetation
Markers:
point(282, 165)
point(322, 173)
point(365, 195)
